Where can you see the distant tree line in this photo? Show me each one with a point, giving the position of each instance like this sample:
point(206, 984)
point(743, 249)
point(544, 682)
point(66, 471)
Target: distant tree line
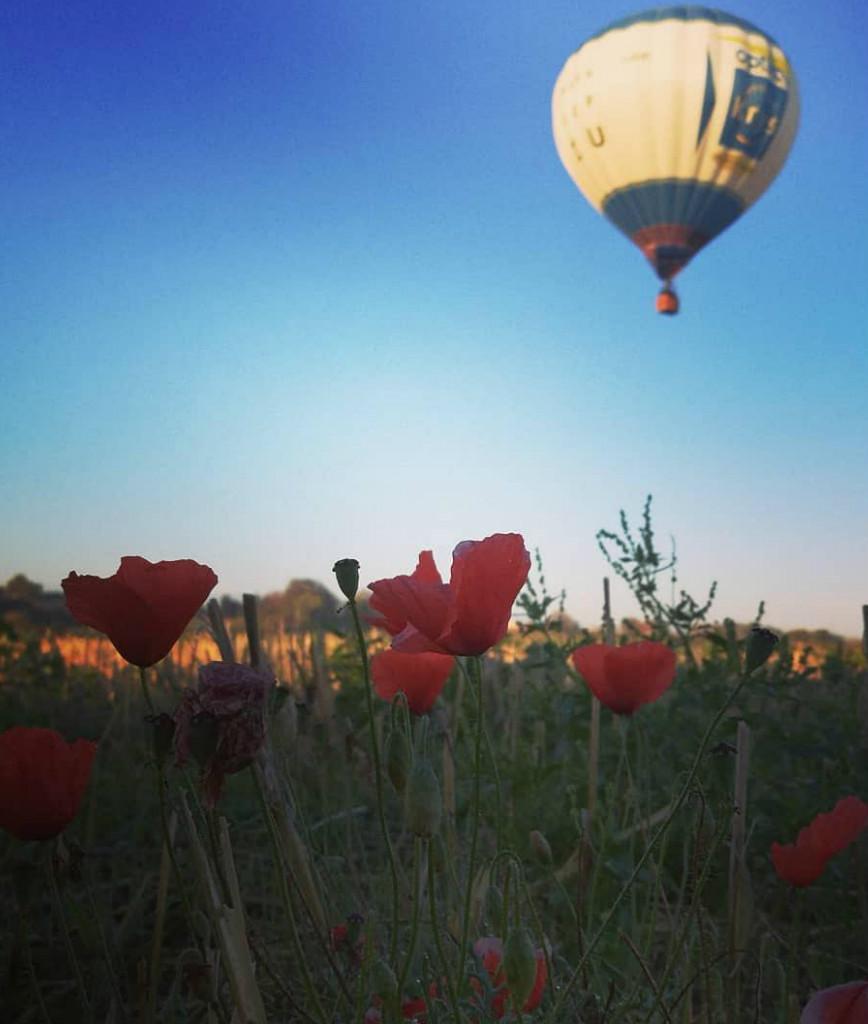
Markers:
point(304, 606)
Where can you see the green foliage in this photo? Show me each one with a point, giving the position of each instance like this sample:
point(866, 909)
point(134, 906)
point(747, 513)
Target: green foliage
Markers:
point(640, 564)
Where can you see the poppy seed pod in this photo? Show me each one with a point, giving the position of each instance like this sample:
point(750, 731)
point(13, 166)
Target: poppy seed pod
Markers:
point(519, 964)
point(758, 648)
point(222, 722)
point(398, 759)
point(347, 572)
point(424, 802)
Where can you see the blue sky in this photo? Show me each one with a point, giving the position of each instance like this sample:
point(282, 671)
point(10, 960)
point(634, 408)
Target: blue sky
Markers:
point(285, 282)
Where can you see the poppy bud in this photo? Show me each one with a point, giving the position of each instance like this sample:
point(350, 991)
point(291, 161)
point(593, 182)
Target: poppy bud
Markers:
point(204, 737)
point(540, 846)
point(398, 759)
point(383, 981)
point(494, 906)
point(758, 648)
point(519, 964)
point(424, 803)
point(347, 572)
point(163, 734)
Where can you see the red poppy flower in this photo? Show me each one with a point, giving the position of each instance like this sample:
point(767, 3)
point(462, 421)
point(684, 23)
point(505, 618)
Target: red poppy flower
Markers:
point(625, 678)
point(420, 676)
point(469, 614)
point(222, 723)
point(348, 938)
point(803, 862)
point(144, 607)
point(843, 1004)
point(42, 781)
point(413, 1009)
point(490, 952)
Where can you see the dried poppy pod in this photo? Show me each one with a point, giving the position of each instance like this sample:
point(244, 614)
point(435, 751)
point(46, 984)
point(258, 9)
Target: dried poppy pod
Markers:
point(222, 722)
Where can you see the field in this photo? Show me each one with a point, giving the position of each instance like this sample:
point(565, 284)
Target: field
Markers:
point(626, 857)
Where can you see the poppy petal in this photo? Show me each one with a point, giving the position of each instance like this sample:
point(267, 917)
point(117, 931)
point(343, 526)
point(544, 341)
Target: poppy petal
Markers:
point(420, 676)
point(42, 781)
point(144, 608)
point(624, 678)
point(487, 576)
point(802, 862)
point(841, 1004)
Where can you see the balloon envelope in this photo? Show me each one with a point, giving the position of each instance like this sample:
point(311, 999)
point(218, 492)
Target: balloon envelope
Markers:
point(672, 123)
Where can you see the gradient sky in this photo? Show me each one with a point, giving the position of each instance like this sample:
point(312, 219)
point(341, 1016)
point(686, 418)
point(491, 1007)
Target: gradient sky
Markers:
point(284, 281)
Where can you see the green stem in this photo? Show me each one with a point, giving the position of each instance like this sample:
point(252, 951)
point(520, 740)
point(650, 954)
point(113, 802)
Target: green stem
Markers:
point(619, 899)
point(498, 789)
point(542, 936)
point(414, 928)
point(67, 938)
point(31, 970)
point(796, 938)
point(147, 693)
point(438, 942)
point(211, 822)
point(169, 847)
point(631, 801)
point(107, 953)
point(378, 774)
point(674, 956)
point(287, 902)
point(474, 840)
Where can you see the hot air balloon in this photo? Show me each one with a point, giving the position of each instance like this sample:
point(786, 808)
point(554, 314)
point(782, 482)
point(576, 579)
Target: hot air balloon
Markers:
point(672, 123)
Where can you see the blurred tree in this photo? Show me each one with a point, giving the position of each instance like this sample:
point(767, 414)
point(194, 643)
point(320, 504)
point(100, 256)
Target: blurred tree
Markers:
point(20, 588)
